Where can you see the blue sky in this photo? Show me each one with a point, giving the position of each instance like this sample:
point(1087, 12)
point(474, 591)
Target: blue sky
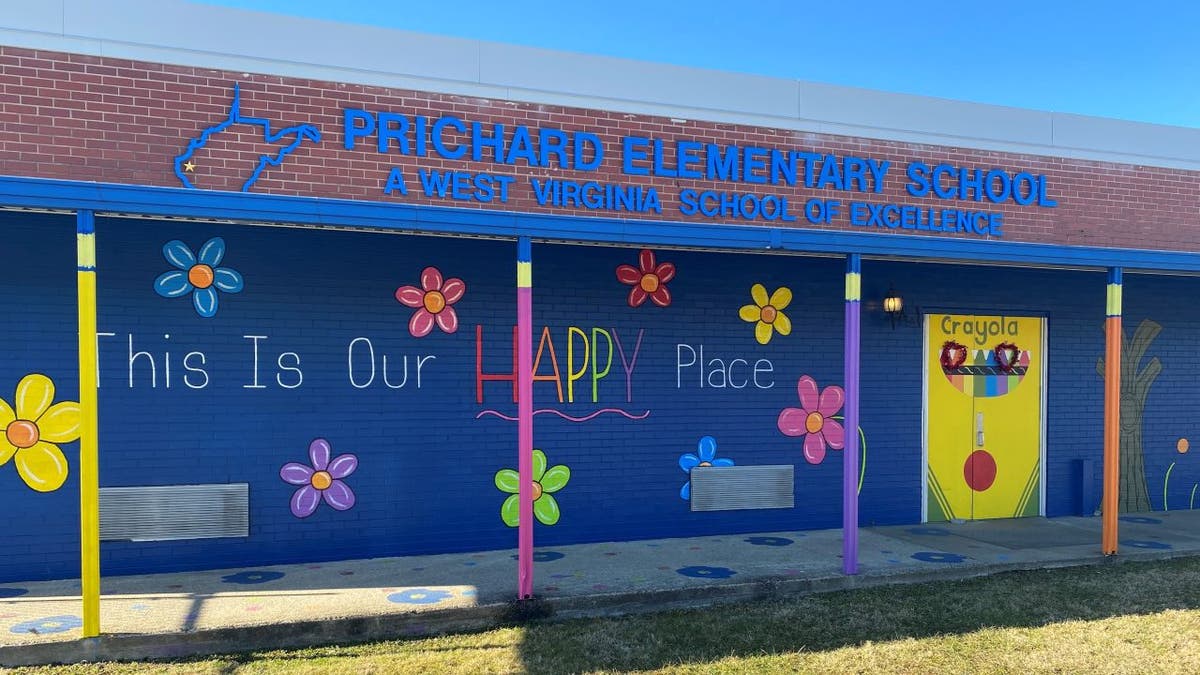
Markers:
point(1129, 60)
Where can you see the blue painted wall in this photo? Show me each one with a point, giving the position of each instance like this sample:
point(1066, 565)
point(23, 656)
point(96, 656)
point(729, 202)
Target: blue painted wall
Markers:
point(426, 456)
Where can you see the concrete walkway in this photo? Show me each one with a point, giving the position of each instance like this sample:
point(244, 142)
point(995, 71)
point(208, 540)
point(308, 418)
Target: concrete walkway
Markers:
point(285, 605)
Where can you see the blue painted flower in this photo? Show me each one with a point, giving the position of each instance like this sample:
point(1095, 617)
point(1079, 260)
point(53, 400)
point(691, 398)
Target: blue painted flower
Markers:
point(938, 557)
point(1146, 543)
point(1140, 520)
point(769, 541)
point(252, 577)
point(419, 596)
point(706, 572)
point(198, 275)
point(706, 455)
point(50, 624)
point(543, 556)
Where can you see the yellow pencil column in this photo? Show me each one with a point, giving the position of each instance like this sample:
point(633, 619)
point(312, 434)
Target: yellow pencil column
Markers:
point(89, 464)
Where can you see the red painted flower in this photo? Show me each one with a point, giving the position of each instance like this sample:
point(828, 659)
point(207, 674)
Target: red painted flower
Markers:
point(648, 282)
point(432, 302)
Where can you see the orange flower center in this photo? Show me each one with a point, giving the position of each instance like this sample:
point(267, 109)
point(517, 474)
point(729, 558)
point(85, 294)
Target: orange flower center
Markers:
point(435, 301)
point(537, 490)
point(22, 433)
point(201, 276)
point(814, 422)
point(321, 480)
point(650, 282)
point(705, 464)
point(769, 313)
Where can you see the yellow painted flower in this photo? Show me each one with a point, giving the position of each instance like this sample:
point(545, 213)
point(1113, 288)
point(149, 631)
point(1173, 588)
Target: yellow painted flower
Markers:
point(33, 429)
point(768, 312)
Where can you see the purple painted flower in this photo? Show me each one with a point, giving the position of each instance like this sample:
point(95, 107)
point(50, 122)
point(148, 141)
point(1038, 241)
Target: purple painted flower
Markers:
point(322, 480)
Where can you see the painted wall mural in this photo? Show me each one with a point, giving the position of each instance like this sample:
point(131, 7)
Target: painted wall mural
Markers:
point(1136, 381)
point(322, 479)
point(33, 429)
point(814, 420)
point(433, 301)
point(198, 274)
point(705, 455)
point(546, 481)
point(767, 312)
point(649, 280)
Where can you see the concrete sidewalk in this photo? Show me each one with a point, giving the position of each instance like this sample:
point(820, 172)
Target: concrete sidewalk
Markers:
point(166, 615)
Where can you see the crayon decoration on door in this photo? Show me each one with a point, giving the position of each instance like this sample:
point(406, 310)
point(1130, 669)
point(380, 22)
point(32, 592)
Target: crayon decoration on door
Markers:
point(983, 416)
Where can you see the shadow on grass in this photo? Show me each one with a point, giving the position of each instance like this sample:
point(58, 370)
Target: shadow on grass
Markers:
point(825, 622)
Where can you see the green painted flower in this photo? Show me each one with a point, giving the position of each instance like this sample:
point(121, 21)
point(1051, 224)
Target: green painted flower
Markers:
point(545, 481)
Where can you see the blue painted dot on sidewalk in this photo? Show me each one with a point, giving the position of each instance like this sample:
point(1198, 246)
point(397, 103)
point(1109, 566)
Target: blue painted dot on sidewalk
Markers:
point(706, 572)
point(252, 577)
point(938, 557)
point(931, 531)
point(1140, 520)
point(769, 541)
point(419, 596)
point(544, 556)
point(50, 624)
point(1146, 543)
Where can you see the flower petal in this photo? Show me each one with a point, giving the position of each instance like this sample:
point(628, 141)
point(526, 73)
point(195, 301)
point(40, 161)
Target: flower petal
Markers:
point(205, 301)
point(173, 284)
point(342, 466)
point(410, 296)
point(637, 296)
point(791, 421)
point(431, 279)
point(447, 319)
point(7, 417)
point(421, 323)
point(782, 324)
point(834, 433)
point(781, 298)
point(43, 466)
point(665, 272)
point(7, 414)
point(228, 280)
point(661, 296)
point(759, 293)
point(319, 451)
point(338, 495)
point(60, 424)
point(706, 448)
point(508, 480)
point(831, 400)
point(453, 290)
point(555, 478)
point(7, 450)
point(750, 313)
point(35, 392)
point(179, 254)
point(685, 492)
point(539, 464)
point(296, 473)
point(212, 251)
point(807, 388)
point(546, 509)
point(814, 448)
point(305, 501)
point(646, 261)
point(688, 461)
point(628, 274)
point(510, 511)
point(722, 461)
point(762, 332)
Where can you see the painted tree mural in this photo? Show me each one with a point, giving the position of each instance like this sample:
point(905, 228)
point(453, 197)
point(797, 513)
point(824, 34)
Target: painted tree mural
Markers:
point(1135, 386)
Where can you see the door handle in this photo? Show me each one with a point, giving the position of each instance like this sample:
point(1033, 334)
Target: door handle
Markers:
point(979, 429)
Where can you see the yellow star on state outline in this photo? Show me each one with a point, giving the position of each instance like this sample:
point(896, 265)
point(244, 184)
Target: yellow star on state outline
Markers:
point(189, 166)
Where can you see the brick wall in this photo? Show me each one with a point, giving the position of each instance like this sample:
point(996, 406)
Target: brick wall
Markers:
point(113, 120)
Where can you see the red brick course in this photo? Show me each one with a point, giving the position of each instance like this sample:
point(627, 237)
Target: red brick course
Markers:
point(88, 118)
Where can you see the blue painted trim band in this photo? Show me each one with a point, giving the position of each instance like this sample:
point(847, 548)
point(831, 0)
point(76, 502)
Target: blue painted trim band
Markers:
point(85, 222)
point(853, 263)
point(1114, 275)
point(187, 203)
point(524, 249)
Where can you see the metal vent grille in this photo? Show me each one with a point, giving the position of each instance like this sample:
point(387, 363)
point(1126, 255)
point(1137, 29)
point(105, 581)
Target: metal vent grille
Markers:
point(728, 488)
point(165, 512)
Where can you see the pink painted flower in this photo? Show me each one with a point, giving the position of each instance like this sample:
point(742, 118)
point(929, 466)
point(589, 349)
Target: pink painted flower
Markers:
point(322, 480)
point(432, 302)
point(813, 419)
point(648, 280)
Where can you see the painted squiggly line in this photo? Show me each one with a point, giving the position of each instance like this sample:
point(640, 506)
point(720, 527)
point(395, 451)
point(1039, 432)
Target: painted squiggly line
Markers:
point(565, 416)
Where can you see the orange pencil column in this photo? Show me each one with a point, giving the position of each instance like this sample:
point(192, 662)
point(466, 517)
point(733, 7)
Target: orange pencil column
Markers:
point(1112, 412)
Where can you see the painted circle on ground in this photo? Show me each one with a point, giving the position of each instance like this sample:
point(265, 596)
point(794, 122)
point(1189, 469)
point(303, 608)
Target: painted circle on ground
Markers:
point(769, 541)
point(1140, 520)
point(980, 470)
point(931, 531)
point(706, 572)
point(252, 577)
point(1146, 543)
point(50, 624)
point(938, 557)
point(419, 596)
point(543, 556)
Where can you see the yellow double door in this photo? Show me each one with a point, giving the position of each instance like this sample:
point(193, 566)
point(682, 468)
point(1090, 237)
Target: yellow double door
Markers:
point(983, 419)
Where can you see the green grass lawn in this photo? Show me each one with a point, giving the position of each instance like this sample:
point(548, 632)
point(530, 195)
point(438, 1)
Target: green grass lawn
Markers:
point(1124, 618)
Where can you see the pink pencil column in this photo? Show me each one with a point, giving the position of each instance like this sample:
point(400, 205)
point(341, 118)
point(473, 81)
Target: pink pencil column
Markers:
point(850, 452)
point(525, 417)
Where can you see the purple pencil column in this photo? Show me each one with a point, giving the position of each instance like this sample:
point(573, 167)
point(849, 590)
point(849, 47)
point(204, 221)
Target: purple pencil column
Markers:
point(850, 453)
point(525, 417)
